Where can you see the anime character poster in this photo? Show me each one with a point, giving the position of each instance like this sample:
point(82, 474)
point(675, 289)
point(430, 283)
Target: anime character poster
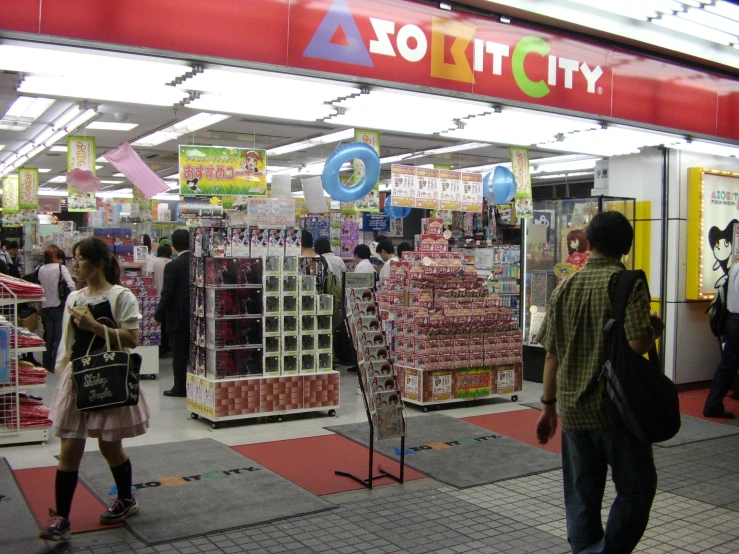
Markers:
point(371, 201)
point(720, 213)
point(213, 170)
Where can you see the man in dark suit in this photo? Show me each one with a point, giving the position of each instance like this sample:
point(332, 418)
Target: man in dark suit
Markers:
point(173, 311)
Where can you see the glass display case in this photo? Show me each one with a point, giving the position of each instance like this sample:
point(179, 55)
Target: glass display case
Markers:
point(555, 248)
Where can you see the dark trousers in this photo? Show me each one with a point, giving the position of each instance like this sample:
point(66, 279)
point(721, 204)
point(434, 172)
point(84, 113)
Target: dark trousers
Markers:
point(727, 367)
point(586, 456)
point(179, 342)
point(52, 320)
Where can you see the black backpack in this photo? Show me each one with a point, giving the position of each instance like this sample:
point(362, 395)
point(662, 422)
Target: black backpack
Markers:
point(717, 311)
point(636, 390)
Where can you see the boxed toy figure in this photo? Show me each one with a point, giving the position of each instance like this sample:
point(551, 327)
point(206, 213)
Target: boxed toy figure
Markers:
point(292, 242)
point(307, 284)
point(307, 343)
point(271, 345)
point(290, 265)
point(199, 302)
point(307, 323)
point(272, 326)
point(220, 364)
point(290, 284)
point(197, 267)
point(290, 365)
point(239, 242)
point(273, 265)
point(272, 305)
point(276, 242)
point(307, 304)
point(272, 284)
point(289, 304)
point(289, 325)
point(217, 242)
point(232, 272)
point(290, 345)
point(325, 361)
point(324, 342)
point(258, 243)
point(308, 363)
point(272, 365)
point(325, 304)
point(227, 303)
point(228, 333)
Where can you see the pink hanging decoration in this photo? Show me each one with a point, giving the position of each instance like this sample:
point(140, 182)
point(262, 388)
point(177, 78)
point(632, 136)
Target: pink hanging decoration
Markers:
point(128, 162)
point(83, 180)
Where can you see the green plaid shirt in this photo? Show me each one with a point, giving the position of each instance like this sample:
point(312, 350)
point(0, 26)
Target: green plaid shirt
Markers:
point(578, 310)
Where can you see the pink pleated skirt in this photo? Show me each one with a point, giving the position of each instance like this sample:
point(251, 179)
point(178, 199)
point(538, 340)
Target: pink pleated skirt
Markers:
point(109, 425)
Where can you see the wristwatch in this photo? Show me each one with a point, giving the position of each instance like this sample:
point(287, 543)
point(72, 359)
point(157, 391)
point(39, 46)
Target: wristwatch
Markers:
point(548, 402)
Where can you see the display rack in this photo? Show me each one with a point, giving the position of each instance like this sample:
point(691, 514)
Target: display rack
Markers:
point(11, 429)
point(261, 332)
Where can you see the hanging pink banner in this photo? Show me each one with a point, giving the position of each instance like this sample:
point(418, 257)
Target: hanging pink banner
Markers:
point(128, 162)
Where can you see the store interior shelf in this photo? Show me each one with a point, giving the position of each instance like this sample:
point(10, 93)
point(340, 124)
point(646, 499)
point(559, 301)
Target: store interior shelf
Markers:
point(8, 388)
point(11, 301)
point(31, 349)
point(35, 434)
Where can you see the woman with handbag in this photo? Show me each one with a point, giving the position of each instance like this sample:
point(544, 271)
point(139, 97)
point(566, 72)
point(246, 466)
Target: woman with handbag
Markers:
point(57, 283)
point(102, 312)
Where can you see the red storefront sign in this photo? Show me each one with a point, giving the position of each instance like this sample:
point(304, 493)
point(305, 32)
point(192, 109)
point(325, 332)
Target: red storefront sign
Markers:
point(407, 43)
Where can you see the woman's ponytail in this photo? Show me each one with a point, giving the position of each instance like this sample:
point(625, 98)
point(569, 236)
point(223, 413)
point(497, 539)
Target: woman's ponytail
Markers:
point(113, 271)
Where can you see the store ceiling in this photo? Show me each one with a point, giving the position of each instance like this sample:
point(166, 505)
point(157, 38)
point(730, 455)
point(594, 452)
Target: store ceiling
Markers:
point(264, 110)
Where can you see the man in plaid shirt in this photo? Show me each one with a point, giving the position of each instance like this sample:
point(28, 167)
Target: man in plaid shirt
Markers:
point(576, 351)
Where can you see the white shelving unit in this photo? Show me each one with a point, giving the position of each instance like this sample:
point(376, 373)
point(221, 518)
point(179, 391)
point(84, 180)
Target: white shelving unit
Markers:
point(10, 429)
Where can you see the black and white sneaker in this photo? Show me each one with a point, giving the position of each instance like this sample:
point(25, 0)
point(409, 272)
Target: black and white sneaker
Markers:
point(119, 510)
point(57, 528)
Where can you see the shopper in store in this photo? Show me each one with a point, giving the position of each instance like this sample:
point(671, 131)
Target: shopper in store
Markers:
point(404, 247)
point(591, 441)
point(727, 368)
point(103, 303)
point(14, 267)
point(306, 244)
point(362, 257)
point(386, 251)
point(173, 311)
point(50, 276)
point(146, 241)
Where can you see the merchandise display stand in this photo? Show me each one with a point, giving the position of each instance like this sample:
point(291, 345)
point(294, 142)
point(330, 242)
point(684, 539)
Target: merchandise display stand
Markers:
point(11, 430)
point(453, 341)
point(261, 333)
point(377, 381)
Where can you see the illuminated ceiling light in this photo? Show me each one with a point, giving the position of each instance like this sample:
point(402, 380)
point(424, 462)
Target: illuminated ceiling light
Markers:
point(563, 166)
point(23, 112)
point(676, 23)
point(44, 170)
point(111, 181)
point(58, 179)
point(612, 141)
point(339, 136)
point(173, 132)
point(56, 60)
point(450, 149)
point(52, 193)
point(712, 21)
point(707, 147)
point(637, 9)
point(112, 126)
point(260, 94)
point(724, 9)
point(521, 127)
point(404, 112)
point(395, 159)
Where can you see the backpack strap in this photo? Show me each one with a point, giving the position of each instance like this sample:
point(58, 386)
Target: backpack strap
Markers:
point(622, 291)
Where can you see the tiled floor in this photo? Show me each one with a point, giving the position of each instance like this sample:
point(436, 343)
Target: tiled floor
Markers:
point(696, 508)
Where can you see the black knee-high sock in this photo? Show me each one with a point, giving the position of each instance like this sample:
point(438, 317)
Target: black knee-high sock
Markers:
point(64, 486)
point(123, 476)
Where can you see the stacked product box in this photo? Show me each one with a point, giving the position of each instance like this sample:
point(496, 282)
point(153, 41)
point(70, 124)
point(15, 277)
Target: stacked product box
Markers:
point(120, 241)
point(150, 331)
point(380, 385)
point(297, 320)
point(450, 338)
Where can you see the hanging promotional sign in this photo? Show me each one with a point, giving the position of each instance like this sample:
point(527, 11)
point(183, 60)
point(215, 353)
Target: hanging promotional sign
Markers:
point(142, 209)
point(370, 202)
point(49, 205)
point(27, 188)
point(520, 168)
point(450, 193)
point(270, 213)
point(427, 194)
point(471, 192)
point(403, 185)
point(10, 195)
point(193, 207)
point(215, 170)
point(81, 155)
point(713, 211)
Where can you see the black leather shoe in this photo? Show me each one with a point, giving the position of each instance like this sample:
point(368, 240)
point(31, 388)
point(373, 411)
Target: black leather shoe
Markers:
point(175, 393)
point(722, 415)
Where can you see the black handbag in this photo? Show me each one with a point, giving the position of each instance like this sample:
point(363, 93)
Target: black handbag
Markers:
point(106, 379)
point(62, 287)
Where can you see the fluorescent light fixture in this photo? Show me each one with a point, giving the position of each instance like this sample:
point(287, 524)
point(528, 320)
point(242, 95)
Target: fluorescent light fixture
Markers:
point(118, 175)
point(563, 166)
point(712, 21)
point(24, 111)
point(611, 141)
point(111, 181)
point(724, 9)
point(677, 23)
point(173, 132)
point(166, 196)
point(707, 147)
point(263, 94)
point(173, 176)
point(339, 136)
point(112, 126)
point(563, 175)
point(395, 159)
point(515, 126)
point(120, 193)
point(100, 159)
point(60, 193)
point(43, 170)
point(110, 90)
point(405, 112)
point(58, 179)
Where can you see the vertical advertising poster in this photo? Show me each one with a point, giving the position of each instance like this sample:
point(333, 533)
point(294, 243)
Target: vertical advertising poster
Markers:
point(403, 185)
point(143, 205)
point(371, 201)
point(215, 170)
point(520, 168)
point(427, 195)
point(450, 190)
point(27, 188)
point(10, 195)
point(472, 192)
point(81, 155)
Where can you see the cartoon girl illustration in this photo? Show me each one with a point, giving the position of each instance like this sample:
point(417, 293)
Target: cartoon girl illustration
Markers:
point(721, 244)
point(577, 246)
point(249, 161)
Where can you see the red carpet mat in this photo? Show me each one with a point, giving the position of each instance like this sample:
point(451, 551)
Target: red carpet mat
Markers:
point(311, 462)
point(519, 425)
point(37, 485)
point(692, 402)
